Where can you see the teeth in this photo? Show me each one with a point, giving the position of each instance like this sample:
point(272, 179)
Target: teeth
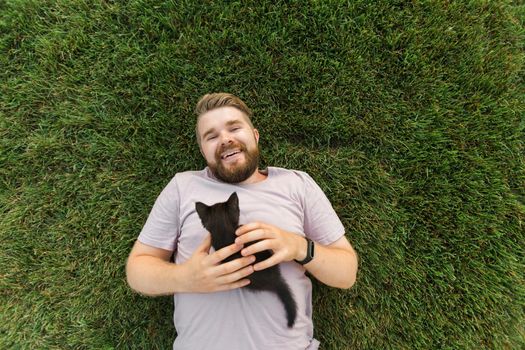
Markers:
point(229, 154)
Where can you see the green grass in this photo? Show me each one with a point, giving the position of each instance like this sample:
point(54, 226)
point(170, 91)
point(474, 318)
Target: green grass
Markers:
point(410, 115)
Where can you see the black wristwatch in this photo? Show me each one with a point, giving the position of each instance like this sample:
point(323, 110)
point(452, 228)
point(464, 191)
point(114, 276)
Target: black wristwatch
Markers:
point(309, 252)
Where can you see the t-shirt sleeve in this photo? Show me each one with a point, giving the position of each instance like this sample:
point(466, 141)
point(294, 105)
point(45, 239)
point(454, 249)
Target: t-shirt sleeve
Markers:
point(162, 227)
point(321, 222)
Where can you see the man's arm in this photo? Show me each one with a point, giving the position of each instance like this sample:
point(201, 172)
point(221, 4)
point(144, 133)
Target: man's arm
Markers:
point(334, 265)
point(150, 272)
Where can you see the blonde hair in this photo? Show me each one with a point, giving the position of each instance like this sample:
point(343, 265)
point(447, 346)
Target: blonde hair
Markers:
point(216, 100)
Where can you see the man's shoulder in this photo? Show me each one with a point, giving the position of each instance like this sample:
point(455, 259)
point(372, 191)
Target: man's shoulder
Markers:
point(295, 178)
point(184, 178)
point(292, 173)
point(190, 174)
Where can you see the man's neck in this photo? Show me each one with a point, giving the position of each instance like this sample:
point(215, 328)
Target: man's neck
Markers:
point(257, 176)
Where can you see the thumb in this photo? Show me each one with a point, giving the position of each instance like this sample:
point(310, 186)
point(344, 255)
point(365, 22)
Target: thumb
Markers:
point(205, 245)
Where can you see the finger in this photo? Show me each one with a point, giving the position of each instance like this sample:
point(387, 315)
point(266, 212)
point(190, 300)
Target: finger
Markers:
point(248, 227)
point(254, 235)
point(235, 285)
point(257, 247)
point(221, 254)
point(205, 245)
point(236, 276)
point(232, 266)
point(271, 261)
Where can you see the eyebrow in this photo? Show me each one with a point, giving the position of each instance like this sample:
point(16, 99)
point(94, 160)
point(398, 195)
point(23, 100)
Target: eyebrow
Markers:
point(228, 123)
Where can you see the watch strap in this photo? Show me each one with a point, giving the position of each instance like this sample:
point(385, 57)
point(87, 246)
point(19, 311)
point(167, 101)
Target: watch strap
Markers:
point(309, 252)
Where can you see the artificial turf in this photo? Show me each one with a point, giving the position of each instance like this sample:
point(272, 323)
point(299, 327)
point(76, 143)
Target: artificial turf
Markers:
point(410, 115)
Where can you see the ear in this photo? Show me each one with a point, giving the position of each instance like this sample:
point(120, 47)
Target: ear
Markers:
point(198, 136)
point(233, 208)
point(256, 135)
point(200, 148)
point(202, 210)
point(233, 200)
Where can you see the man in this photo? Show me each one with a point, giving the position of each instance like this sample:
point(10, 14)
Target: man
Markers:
point(283, 210)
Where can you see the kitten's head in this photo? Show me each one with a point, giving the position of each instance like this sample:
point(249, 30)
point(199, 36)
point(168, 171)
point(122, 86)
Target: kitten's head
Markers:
point(220, 219)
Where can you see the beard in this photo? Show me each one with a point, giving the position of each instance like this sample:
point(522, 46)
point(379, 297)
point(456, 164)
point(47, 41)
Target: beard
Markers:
point(235, 173)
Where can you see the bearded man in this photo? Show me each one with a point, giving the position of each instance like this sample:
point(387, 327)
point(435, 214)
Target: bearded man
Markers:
point(281, 210)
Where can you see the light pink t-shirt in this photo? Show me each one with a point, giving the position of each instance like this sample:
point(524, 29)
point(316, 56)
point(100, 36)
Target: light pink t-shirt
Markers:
point(242, 319)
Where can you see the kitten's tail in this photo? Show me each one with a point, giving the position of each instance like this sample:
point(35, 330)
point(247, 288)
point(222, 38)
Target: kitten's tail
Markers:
point(285, 294)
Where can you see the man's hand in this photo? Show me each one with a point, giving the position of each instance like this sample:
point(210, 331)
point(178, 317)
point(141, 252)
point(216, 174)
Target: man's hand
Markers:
point(334, 264)
point(286, 246)
point(205, 273)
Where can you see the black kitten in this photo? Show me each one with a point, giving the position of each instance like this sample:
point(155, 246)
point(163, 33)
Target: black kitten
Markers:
point(222, 219)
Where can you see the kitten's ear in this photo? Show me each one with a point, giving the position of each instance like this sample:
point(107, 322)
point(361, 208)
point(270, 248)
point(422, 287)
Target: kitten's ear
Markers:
point(233, 208)
point(202, 210)
point(233, 200)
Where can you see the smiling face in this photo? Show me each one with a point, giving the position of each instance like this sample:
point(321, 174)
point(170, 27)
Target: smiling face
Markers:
point(229, 144)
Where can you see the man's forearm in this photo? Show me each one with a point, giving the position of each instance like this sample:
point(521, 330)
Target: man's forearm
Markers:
point(153, 276)
point(149, 271)
point(334, 266)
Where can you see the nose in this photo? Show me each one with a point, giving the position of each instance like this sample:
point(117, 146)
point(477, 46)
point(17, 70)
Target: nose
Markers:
point(226, 138)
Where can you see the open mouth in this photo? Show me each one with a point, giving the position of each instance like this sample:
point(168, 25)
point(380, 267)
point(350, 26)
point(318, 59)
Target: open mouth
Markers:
point(229, 154)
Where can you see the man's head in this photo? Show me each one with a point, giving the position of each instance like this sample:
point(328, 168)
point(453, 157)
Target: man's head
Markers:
point(226, 137)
